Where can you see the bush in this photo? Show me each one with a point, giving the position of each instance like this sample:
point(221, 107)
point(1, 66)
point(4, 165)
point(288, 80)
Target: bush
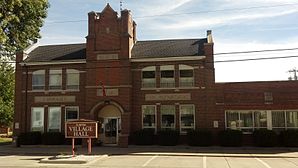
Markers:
point(168, 137)
point(230, 138)
point(144, 137)
point(289, 138)
point(199, 138)
point(53, 138)
point(265, 138)
point(29, 138)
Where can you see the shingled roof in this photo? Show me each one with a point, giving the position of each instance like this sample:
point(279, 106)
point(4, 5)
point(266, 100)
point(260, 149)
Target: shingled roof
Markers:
point(142, 49)
point(57, 52)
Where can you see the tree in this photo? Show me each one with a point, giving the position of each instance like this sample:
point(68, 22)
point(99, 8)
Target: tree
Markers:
point(6, 93)
point(20, 22)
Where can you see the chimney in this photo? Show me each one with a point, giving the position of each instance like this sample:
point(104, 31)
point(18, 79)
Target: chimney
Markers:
point(209, 36)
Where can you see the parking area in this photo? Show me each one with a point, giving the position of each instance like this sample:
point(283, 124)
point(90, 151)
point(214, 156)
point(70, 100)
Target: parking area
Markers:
point(197, 161)
point(158, 157)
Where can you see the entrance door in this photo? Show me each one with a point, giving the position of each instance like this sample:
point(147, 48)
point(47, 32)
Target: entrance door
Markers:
point(110, 131)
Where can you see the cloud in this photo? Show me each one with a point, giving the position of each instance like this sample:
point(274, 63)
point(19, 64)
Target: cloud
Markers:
point(194, 22)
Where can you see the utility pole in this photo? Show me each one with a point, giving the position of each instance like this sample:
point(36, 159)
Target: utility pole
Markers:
point(121, 4)
point(294, 71)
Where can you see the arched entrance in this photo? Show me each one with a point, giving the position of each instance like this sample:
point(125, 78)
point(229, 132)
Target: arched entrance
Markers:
point(109, 118)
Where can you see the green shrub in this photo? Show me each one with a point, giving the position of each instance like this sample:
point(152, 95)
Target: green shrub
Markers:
point(29, 138)
point(289, 138)
point(53, 138)
point(265, 138)
point(144, 137)
point(230, 138)
point(199, 138)
point(168, 137)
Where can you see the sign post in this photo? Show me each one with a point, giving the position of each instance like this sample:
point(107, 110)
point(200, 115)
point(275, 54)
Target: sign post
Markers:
point(81, 129)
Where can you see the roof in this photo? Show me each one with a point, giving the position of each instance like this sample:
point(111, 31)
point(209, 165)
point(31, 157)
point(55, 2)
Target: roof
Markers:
point(142, 49)
point(168, 48)
point(57, 52)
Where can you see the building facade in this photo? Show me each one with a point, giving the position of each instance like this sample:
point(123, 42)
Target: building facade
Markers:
point(127, 85)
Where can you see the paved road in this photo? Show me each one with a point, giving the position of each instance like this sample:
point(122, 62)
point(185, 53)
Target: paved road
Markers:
point(154, 157)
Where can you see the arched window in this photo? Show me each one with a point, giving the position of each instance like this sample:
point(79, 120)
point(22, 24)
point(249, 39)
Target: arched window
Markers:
point(72, 79)
point(38, 80)
point(186, 76)
point(148, 77)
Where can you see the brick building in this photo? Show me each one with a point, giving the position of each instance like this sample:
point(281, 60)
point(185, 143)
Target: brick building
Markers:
point(127, 85)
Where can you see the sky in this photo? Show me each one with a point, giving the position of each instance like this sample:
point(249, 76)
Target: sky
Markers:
point(237, 25)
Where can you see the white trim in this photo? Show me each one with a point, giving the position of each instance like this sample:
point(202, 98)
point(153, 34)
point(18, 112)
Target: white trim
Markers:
point(172, 88)
point(53, 62)
point(119, 86)
point(158, 59)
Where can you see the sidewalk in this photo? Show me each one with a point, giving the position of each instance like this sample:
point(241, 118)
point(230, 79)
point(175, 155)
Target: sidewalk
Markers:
point(151, 150)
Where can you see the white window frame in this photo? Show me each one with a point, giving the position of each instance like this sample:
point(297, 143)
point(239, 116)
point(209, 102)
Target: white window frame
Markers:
point(166, 82)
point(65, 112)
point(161, 125)
point(38, 86)
point(55, 72)
point(41, 116)
point(155, 118)
point(269, 119)
point(194, 118)
point(69, 85)
point(49, 111)
point(144, 83)
point(186, 67)
point(239, 119)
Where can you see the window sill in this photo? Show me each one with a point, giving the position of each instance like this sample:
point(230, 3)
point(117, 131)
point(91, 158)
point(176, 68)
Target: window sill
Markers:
point(173, 88)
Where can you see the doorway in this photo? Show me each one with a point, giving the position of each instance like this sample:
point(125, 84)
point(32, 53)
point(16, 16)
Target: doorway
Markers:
point(109, 118)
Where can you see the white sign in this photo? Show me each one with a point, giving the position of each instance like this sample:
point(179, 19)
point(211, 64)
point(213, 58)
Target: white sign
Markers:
point(165, 97)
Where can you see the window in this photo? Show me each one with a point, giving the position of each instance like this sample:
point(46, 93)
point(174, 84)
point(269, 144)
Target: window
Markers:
point(278, 119)
point(54, 119)
point(72, 79)
point(167, 78)
point(242, 120)
point(292, 119)
point(187, 118)
point(186, 77)
point(167, 116)
point(37, 119)
point(38, 80)
point(148, 77)
point(55, 81)
point(149, 116)
point(260, 119)
point(71, 113)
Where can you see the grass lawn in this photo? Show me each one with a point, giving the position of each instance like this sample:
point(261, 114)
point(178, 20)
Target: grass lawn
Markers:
point(5, 141)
